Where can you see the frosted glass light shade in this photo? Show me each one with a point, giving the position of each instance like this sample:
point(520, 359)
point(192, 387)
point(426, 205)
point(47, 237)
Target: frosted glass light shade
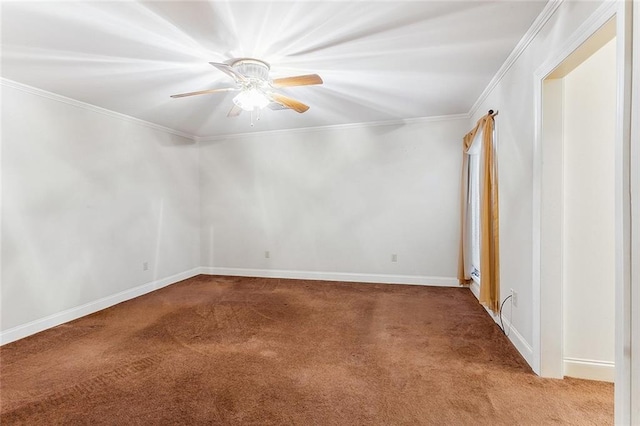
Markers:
point(251, 99)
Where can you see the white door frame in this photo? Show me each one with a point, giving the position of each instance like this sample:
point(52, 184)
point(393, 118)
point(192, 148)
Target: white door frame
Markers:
point(547, 241)
point(631, 336)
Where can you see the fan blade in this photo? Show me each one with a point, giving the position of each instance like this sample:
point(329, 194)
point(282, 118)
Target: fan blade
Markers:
point(204, 92)
point(276, 106)
point(300, 80)
point(234, 111)
point(289, 102)
point(227, 69)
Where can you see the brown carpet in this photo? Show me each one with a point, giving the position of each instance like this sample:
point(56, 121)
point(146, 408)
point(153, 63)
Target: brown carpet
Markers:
point(225, 350)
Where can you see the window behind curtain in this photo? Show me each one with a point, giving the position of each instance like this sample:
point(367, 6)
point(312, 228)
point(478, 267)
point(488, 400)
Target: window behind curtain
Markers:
point(474, 206)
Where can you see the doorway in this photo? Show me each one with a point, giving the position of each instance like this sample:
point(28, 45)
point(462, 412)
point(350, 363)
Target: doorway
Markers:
point(548, 201)
point(588, 119)
point(577, 211)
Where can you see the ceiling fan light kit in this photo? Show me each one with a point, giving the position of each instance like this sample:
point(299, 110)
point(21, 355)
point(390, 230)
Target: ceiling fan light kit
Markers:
point(251, 99)
point(256, 88)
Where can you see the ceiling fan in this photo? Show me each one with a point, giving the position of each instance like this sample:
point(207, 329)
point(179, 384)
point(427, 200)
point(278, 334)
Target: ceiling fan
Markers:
point(256, 88)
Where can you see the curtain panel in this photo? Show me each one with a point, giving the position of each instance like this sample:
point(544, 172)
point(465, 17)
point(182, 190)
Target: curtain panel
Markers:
point(489, 218)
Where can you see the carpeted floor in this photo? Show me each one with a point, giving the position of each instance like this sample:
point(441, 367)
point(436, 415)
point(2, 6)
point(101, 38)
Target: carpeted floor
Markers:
point(223, 350)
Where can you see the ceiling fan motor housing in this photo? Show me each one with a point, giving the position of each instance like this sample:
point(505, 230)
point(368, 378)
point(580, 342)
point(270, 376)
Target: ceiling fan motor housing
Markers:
point(252, 68)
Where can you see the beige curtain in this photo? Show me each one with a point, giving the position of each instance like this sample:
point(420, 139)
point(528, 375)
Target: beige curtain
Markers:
point(489, 232)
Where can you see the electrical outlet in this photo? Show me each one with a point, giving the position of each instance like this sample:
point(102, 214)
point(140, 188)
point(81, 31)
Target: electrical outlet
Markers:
point(514, 298)
point(394, 257)
point(145, 266)
point(267, 255)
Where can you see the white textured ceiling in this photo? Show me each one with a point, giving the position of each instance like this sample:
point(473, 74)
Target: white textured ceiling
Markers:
point(379, 60)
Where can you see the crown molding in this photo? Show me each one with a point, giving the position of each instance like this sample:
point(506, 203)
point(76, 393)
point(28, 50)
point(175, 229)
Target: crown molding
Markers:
point(69, 101)
point(529, 36)
point(399, 122)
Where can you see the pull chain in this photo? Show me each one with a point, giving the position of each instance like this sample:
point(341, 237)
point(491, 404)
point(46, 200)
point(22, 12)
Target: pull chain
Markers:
point(257, 115)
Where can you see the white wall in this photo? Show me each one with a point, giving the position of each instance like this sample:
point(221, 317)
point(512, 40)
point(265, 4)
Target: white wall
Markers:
point(339, 200)
point(513, 96)
point(87, 198)
point(589, 216)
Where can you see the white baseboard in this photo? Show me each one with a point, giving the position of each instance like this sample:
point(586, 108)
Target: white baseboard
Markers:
point(589, 369)
point(513, 334)
point(475, 289)
point(56, 319)
point(518, 341)
point(334, 276)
